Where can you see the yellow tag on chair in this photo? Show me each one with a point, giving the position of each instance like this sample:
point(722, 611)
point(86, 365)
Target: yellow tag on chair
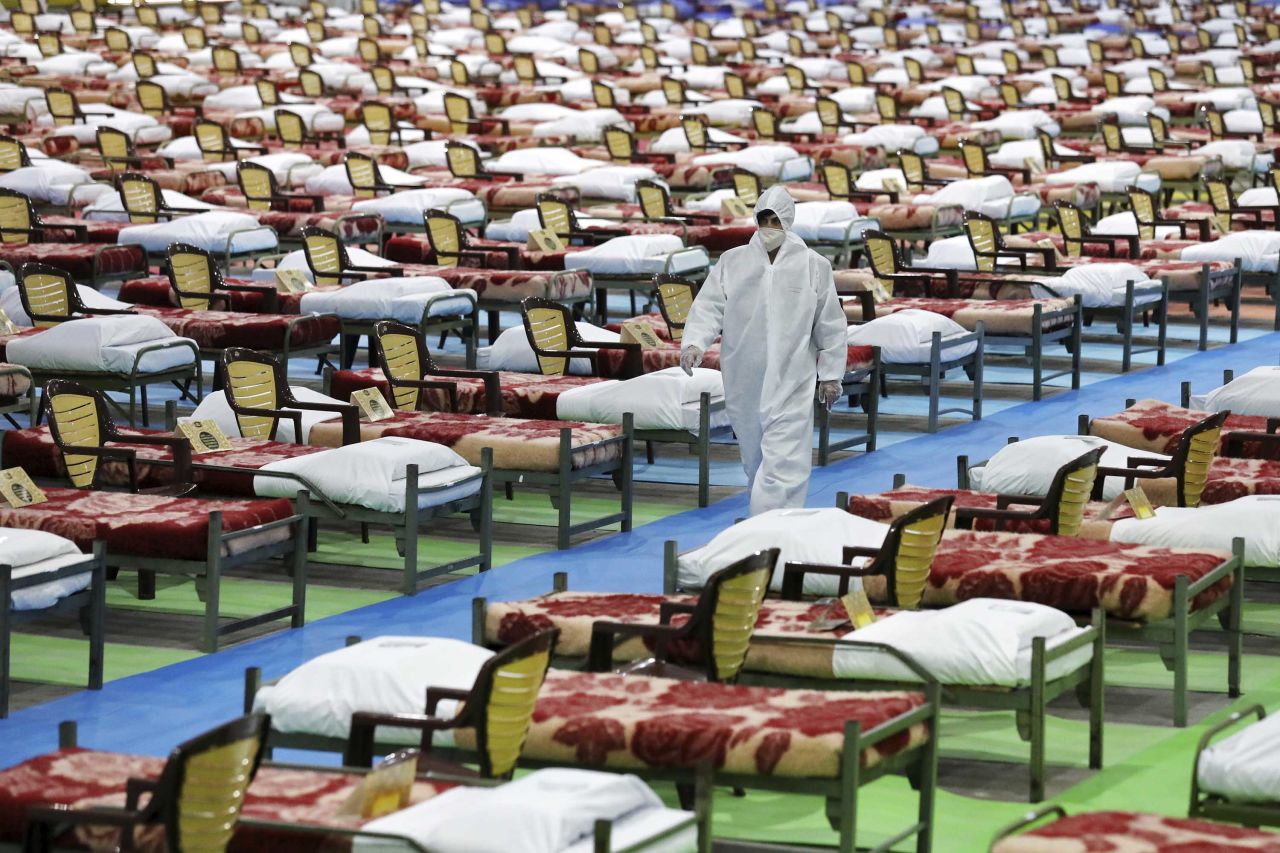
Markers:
point(1141, 504)
point(544, 240)
point(639, 333)
point(734, 208)
point(293, 281)
point(7, 326)
point(858, 606)
point(385, 789)
point(892, 185)
point(205, 436)
point(18, 490)
point(373, 406)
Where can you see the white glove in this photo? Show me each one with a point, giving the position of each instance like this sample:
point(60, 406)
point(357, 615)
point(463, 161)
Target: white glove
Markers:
point(690, 357)
point(829, 391)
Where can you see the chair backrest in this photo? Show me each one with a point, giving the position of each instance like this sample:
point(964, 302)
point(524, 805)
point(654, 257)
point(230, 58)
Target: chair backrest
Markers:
point(675, 91)
point(446, 236)
point(1159, 80)
point(226, 60)
point(268, 93)
point(620, 143)
point(857, 72)
point(910, 544)
point(1074, 228)
point(211, 139)
point(502, 700)
point(1159, 130)
point(1012, 62)
point(1193, 456)
point(48, 294)
point(1267, 109)
point(193, 274)
point(369, 51)
point(746, 186)
point(153, 99)
point(675, 299)
point(458, 73)
point(193, 36)
point(17, 216)
point(363, 173)
point(975, 158)
point(912, 165)
point(588, 61)
point(291, 129)
point(984, 239)
point(1062, 88)
point(379, 121)
point(117, 40)
point(463, 160)
point(78, 417)
point(1112, 136)
point(249, 33)
point(735, 86)
point(882, 255)
point(1069, 493)
point(384, 80)
point(695, 132)
point(964, 64)
point(1220, 197)
point(258, 183)
point(457, 108)
point(252, 380)
point(144, 64)
point(526, 69)
point(603, 95)
point(63, 106)
point(1145, 212)
point(829, 114)
point(887, 107)
point(312, 83)
point(728, 610)
point(49, 44)
point(1112, 83)
point(556, 214)
point(764, 122)
point(115, 147)
point(401, 352)
point(836, 177)
point(301, 54)
point(1010, 95)
point(325, 255)
point(140, 196)
point(655, 203)
point(83, 21)
point(549, 327)
point(13, 154)
point(202, 787)
point(955, 103)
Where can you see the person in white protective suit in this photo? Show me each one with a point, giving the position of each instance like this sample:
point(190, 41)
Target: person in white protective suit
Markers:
point(783, 334)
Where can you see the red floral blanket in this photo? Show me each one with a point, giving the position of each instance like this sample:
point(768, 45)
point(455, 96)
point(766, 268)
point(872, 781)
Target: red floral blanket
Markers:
point(617, 721)
point(147, 525)
point(1000, 317)
point(524, 395)
point(887, 506)
point(1120, 832)
point(523, 445)
point(217, 330)
point(78, 258)
point(1156, 426)
point(80, 778)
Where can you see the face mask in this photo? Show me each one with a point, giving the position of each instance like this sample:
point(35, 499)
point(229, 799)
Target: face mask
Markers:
point(771, 237)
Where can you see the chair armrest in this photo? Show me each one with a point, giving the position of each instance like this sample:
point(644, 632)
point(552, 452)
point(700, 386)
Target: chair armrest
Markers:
point(387, 271)
point(492, 385)
point(793, 575)
point(364, 725)
point(135, 788)
point(1003, 501)
point(350, 417)
point(270, 295)
point(435, 695)
point(603, 635)
point(667, 609)
point(180, 448)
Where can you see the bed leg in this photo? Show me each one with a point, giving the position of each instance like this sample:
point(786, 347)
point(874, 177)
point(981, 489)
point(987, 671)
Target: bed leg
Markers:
point(298, 570)
point(486, 511)
point(704, 450)
point(1037, 355)
point(1162, 331)
point(479, 605)
point(6, 592)
point(1126, 329)
point(928, 773)
point(1097, 691)
point(409, 584)
point(628, 470)
point(1236, 286)
point(1077, 345)
point(1037, 713)
point(935, 380)
point(703, 807)
point(68, 735)
point(565, 487)
point(847, 807)
point(213, 583)
point(976, 412)
point(1235, 619)
point(146, 413)
point(1202, 308)
point(1180, 607)
point(97, 614)
point(146, 585)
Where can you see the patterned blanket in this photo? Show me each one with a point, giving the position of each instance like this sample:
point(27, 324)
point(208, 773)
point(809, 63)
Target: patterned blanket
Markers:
point(217, 330)
point(1118, 832)
point(81, 778)
point(78, 258)
point(144, 525)
point(1156, 426)
point(617, 721)
point(999, 316)
point(522, 445)
point(524, 395)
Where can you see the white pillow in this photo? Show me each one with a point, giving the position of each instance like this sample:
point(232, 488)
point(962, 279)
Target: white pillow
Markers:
point(906, 337)
point(216, 408)
point(388, 675)
point(802, 535)
point(1256, 393)
point(511, 351)
point(1256, 518)
point(1027, 467)
point(19, 547)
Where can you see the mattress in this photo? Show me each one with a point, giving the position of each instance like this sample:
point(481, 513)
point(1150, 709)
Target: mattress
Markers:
point(31, 553)
point(102, 345)
point(372, 474)
point(1101, 285)
point(215, 231)
point(1110, 176)
point(610, 182)
point(517, 444)
point(512, 351)
point(404, 299)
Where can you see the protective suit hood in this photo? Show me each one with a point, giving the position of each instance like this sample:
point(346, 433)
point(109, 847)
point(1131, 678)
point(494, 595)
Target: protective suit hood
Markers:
point(777, 199)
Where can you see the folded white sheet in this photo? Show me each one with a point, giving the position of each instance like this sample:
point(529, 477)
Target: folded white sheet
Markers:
point(1126, 224)
point(1027, 467)
point(973, 194)
point(894, 136)
point(547, 811)
point(372, 474)
point(767, 161)
point(543, 161)
point(1212, 527)
point(1110, 176)
point(665, 399)
point(802, 535)
point(408, 206)
point(387, 675)
point(297, 260)
point(101, 344)
point(616, 183)
point(110, 208)
point(1102, 285)
point(1255, 393)
point(211, 231)
point(812, 215)
point(186, 148)
point(639, 253)
point(52, 181)
point(400, 298)
point(1258, 251)
point(982, 641)
point(333, 180)
point(291, 168)
point(216, 408)
point(1245, 767)
point(34, 552)
point(512, 352)
point(906, 337)
point(11, 300)
point(673, 141)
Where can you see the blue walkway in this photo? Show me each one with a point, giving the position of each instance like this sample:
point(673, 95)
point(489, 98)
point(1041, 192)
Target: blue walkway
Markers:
point(151, 712)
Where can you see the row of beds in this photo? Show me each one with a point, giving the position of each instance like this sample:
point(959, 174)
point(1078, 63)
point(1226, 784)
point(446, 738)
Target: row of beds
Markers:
point(804, 703)
point(897, 730)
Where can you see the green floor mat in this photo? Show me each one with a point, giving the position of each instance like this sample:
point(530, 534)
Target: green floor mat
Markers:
point(240, 597)
point(61, 660)
point(535, 508)
point(338, 547)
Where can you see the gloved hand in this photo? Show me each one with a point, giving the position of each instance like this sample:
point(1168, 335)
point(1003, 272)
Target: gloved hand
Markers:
point(829, 391)
point(690, 357)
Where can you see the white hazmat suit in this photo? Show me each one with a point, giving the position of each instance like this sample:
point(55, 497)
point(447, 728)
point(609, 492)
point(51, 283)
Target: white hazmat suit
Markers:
point(782, 331)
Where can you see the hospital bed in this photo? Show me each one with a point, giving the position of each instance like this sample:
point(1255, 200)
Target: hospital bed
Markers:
point(1155, 426)
point(43, 573)
point(1233, 777)
point(92, 263)
point(1114, 827)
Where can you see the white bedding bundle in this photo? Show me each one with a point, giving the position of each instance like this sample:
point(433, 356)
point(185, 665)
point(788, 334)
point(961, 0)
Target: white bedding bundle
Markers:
point(992, 195)
point(11, 300)
point(780, 162)
point(512, 352)
point(1257, 251)
point(616, 183)
point(404, 299)
point(373, 474)
point(142, 129)
point(664, 399)
point(1212, 527)
point(1111, 176)
point(1245, 767)
point(34, 552)
point(297, 260)
point(639, 253)
point(101, 345)
point(407, 207)
point(213, 231)
point(1255, 393)
point(215, 407)
point(1027, 467)
point(54, 182)
point(906, 337)
point(333, 180)
point(1102, 285)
